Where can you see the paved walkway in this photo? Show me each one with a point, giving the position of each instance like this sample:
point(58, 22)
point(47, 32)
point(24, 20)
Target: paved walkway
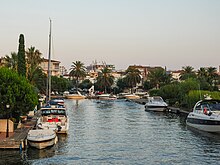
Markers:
point(3, 135)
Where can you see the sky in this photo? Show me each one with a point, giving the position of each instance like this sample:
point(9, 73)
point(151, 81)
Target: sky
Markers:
point(171, 33)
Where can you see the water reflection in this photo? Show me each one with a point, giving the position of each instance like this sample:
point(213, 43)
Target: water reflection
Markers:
point(12, 157)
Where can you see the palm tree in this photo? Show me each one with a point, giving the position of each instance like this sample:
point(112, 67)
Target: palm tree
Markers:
point(105, 79)
point(188, 72)
point(211, 75)
point(12, 62)
point(132, 77)
point(78, 70)
point(202, 73)
point(33, 60)
point(158, 77)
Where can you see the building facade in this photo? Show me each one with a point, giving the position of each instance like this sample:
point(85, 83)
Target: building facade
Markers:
point(54, 67)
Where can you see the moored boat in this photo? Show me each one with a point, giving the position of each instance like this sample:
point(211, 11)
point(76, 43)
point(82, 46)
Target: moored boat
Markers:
point(205, 116)
point(54, 117)
point(131, 96)
point(106, 97)
point(155, 103)
point(42, 138)
point(76, 96)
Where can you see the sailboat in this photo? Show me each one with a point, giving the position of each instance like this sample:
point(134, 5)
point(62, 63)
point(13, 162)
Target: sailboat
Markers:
point(42, 138)
point(53, 116)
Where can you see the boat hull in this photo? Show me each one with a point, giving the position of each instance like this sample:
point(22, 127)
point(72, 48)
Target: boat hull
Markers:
point(42, 138)
point(76, 97)
point(43, 144)
point(206, 125)
point(132, 97)
point(106, 97)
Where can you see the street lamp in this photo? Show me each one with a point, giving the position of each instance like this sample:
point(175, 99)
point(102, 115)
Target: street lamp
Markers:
point(7, 128)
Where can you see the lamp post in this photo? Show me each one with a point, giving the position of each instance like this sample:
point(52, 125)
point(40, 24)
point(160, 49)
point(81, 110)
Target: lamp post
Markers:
point(7, 127)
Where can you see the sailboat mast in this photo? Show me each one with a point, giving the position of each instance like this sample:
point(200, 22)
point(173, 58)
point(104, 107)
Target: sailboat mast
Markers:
point(49, 68)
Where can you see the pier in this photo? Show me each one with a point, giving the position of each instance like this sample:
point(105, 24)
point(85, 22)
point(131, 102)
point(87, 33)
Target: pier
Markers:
point(18, 139)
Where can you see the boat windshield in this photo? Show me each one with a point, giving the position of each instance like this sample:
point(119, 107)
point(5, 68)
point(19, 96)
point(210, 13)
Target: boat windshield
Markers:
point(155, 99)
point(53, 112)
point(213, 105)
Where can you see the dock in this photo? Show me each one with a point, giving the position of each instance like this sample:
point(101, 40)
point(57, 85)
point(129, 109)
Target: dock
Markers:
point(177, 110)
point(17, 139)
point(139, 101)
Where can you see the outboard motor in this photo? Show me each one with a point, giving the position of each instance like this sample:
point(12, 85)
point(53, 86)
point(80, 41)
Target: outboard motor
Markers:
point(59, 128)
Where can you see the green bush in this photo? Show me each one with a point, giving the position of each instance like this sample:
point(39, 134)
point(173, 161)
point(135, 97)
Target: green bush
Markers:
point(170, 93)
point(154, 92)
point(17, 92)
point(196, 95)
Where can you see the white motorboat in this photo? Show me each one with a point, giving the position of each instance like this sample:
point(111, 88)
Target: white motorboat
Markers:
point(205, 116)
point(56, 101)
point(55, 118)
point(41, 138)
point(155, 103)
point(76, 96)
point(106, 97)
point(131, 96)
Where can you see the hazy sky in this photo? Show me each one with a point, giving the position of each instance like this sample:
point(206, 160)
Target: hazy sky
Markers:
point(171, 33)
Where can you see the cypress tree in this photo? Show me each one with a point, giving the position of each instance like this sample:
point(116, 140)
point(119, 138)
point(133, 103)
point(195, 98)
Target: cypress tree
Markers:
point(21, 56)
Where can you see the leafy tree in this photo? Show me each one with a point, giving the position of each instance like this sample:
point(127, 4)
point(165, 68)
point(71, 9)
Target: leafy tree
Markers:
point(86, 84)
point(21, 56)
point(16, 91)
point(105, 80)
point(59, 84)
point(39, 79)
point(33, 60)
point(121, 84)
point(78, 70)
point(188, 72)
point(177, 92)
point(12, 62)
point(132, 77)
point(147, 85)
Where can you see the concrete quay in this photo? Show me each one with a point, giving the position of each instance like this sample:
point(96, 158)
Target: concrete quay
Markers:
point(18, 139)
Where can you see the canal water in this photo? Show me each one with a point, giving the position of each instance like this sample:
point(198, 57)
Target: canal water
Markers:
point(121, 132)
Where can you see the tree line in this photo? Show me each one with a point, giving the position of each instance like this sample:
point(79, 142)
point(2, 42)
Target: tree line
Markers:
point(24, 79)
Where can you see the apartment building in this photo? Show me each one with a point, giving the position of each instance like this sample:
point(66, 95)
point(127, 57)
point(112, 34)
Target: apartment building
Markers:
point(54, 67)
